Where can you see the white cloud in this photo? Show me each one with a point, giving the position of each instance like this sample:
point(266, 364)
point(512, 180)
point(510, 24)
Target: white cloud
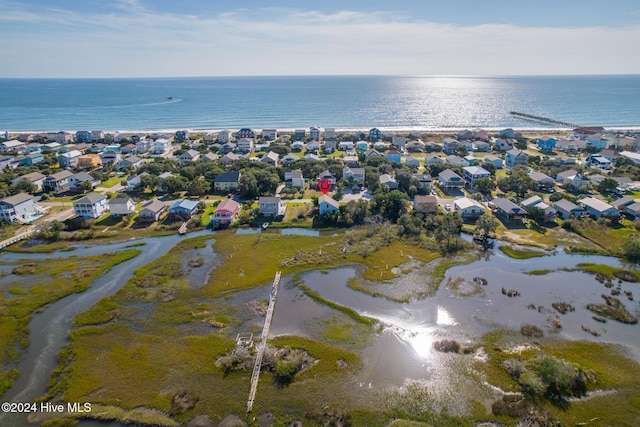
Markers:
point(134, 41)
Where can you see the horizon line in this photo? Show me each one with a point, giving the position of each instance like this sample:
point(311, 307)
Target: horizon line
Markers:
point(460, 76)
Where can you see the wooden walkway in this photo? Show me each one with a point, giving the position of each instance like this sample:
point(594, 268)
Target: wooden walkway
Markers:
point(183, 229)
point(255, 376)
point(543, 119)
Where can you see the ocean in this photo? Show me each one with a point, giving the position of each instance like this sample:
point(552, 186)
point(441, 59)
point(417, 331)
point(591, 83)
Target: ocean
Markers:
point(344, 102)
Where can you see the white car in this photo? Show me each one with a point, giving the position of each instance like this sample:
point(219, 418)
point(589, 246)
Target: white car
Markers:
point(447, 208)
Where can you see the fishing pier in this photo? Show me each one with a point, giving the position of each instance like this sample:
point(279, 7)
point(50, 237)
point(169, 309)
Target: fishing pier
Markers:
point(541, 119)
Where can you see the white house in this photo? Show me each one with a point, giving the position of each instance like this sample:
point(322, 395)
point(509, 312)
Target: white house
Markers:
point(225, 136)
point(473, 173)
point(20, 208)
point(271, 206)
point(12, 145)
point(269, 134)
point(122, 206)
point(599, 208)
point(188, 156)
point(294, 179)
point(356, 174)
point(161, 146)
point(69, 160)
point(314, 133)
point(245, 145)
point(91, 206)
point(467, 208)
point(36, 178)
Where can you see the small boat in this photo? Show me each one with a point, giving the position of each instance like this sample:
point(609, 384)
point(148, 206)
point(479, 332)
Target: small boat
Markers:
point(169, 97)
point(265, 225)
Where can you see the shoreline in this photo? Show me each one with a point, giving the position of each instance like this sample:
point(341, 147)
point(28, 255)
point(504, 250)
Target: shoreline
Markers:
point(402, 129)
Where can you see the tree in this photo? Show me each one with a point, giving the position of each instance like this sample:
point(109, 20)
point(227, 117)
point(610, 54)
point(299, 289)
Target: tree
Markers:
point(199, 187)
point(390, 205)
point(631, 248)
point(24, 186)
point(486, 225)
point(86, 186)
point(607, 185)
point(519, 182)
point(521, 143)
point(354, 212)
point(173, 184)
point(535, 213)
point(485, 186)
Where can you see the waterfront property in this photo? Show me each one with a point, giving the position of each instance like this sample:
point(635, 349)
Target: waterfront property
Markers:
point(227, 181)
point(507, 210)
point(599, 208)
point(122, 206)
point(271, 206)
point(567, 209)
point(572, 178)
point(20, 209)
point(183, 209)
point(327, 204)
point(549, 212)
point(468, 208)
point(91, 206)
point(226, 212)
point(152, 211)
point(425, 204)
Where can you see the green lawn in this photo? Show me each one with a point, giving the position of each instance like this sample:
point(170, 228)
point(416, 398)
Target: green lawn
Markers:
point(113, 181)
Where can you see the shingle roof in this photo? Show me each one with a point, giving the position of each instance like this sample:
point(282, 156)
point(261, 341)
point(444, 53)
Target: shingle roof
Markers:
point(90, 198)
point(17, 198)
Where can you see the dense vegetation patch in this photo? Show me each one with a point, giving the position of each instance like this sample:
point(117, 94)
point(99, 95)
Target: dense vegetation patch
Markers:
point(520, 253)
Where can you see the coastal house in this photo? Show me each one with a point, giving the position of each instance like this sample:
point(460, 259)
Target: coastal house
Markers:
point(36, 178)
point(572, 178)
point(497, 161)
point(425, 204)
point(143, 146)
point(269, 134)
point(313, 146)
point(300, 134)
point(371, 153)
point(289, 159)
point(399, 141)
point(345, 146)
point(246, 133)
point(209, 157)
point(89, 161)
point(416, 146)
point(18, 209)
point(152, 211)
point(599, 208)
point(468, 208)
point(83, 136)
point(412, 162)
point(599, 162)
point(362, 146)
point(271, 206)
point(69, 160)
point(91, 206)
point(329, 134)
point(357, 174)
point(160, 146)
point(245, 145)
point(226, 212)
point(393, 155)
point(327, 204)
point(181, 136)
point(132, 162)
point(294, 179)
point(134, 181)
point(297, 146)
point(32, 159)
point(546, 145)
point(111, 157)
point(97, 135)
point(311, 157)
point(389, 181)
point(634, 157)
point(454, 160)
point(623, 202)
point(77, 180)
point(54, 147)
point(480, 146)
point(473, 173)
point(351, 161)
point(59, 137)
point(122, 206)
point(433, 159)
point(375, 134)
point(188, 156)
point(545, 182)
point(424, 181)
point(224, 136)
point(515, 157)
point(229, 158)
point(480, 134)
point(450, 145)
point(567, 209)
point(507, 133)
point(329, 146)
point(537, 202)
point(228, 181)
point(507, 210)
point(449, 180)
point(502, 145)
point(464, 134)
point(183, 209)
point(57, 183)
point(633, 210)
point(271, 158)
point(326, 174)
point(314, 133)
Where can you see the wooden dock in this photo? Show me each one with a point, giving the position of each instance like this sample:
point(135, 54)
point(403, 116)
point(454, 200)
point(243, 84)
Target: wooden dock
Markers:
point(183, 229)
point(255, 376)
point(541, 119)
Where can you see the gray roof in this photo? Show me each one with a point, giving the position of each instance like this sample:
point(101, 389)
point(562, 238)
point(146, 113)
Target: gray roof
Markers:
point(292, 174)
point(120, 201)
point(508, 206)
point(82, 176)
point(61, 175)
point(231, 176)
point(566, 205)
point(154, 206)
point(269, 200)
point(17, 199)
point(90, 198)
point(448, 174)
point(539, 176)
point(623, 201)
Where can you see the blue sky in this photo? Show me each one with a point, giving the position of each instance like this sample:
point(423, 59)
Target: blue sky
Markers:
point(148, 38)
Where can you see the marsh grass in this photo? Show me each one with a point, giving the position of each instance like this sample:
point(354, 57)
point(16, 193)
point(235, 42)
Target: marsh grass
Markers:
point(520, 254)
point(346, 310)
point(540, 272)
point(50, 280)
point(608, 271)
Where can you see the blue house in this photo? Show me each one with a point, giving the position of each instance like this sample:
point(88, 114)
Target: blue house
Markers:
point(181, 136)
point(598, 144)
point(83, 136)
point(375, 134)
point(393, 155)
point(546, 145)
point(327, 204)
point(32, 158)
point(507, 133)
point(183, 209)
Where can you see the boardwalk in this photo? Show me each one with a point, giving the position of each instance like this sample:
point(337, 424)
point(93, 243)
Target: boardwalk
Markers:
point(255, 376)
